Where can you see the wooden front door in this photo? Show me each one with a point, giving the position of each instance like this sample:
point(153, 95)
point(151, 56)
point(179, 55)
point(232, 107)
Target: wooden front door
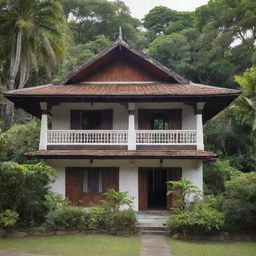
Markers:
point(152, 187)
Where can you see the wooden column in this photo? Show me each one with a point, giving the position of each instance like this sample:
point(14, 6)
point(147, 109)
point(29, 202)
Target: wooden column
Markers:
point(131, 127)
point(199, 126)
point(44, 127)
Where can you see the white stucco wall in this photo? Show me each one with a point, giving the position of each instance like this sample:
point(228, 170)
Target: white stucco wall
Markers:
point(128, 172)
point(61, 113)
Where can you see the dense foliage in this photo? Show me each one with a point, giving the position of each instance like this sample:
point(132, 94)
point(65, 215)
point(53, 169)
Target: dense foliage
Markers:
point(239, 204)
point(23, 190)
point(107, 217)
point(201, 219)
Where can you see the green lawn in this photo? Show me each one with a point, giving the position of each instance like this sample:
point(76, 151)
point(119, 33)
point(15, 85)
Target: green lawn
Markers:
point(184, 248)
point(75, 245)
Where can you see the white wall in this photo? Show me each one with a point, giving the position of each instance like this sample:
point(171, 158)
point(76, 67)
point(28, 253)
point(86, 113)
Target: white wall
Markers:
point(128, 172)
point(61, 113)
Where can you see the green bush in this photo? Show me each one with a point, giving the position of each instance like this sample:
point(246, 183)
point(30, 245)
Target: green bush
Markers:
point(54, 201)
point(185, 189)
point(67, 218)
point(239, 205)
point(23, 189)
point(201, 219)
point(122, 222)
point(215, 175)
point(115, 200)
point(97, 217)
point(19, 139)
point(8, 218)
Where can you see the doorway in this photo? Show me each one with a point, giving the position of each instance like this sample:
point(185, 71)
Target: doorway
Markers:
point(157, 188)
point(152, 187)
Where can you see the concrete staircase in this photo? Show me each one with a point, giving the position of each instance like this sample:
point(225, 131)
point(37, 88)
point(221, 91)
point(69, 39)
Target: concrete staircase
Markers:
point(153, 222)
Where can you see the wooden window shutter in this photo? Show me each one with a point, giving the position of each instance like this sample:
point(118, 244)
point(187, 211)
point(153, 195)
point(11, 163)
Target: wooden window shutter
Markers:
point(144, 121)
point(107, 119)
point(173, 174)
point(110, 179)
point(175, 119)
point(74, 184)
point(75, 120)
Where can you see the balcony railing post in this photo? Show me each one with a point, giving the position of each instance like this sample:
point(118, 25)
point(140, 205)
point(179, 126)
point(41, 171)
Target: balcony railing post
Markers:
point(44, 127)
point(199, 126)
point(131, 127)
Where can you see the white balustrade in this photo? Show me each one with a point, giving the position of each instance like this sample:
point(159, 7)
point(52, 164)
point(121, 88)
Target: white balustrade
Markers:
point(76, 137)
point(166, 137)
point(120, 137)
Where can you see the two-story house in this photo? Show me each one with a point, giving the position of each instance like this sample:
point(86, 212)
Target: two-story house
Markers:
point(123, 121)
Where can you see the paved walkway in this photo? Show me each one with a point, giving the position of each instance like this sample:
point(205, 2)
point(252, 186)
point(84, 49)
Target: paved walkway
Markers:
point(154, 246)
point(4, 253)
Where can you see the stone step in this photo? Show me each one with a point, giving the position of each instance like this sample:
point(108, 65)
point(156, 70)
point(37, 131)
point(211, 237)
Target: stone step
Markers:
point(146, 228)
point(154, 213)
point(154, 232)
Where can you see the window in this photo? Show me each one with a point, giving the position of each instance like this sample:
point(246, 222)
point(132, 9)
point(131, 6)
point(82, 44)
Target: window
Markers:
point(92, 180)
point(159, 122)
point(90, 120)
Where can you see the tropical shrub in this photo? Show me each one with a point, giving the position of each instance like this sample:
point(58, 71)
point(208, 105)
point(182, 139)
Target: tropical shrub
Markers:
point(23, 189)
point(67, 218)
point(239, 205)
point(184, 189)
point(201, 219)
point(215, 176)
point(54, 201)
point(122, 222)
point(97, 217)
point(19, 139)
point(8, 218)
point(115, 200)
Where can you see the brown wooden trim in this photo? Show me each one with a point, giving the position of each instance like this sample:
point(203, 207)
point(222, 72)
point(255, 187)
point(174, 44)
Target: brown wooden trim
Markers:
point(86, 147)
point(166, 147)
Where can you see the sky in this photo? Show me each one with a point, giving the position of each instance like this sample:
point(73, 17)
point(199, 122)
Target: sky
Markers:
point(141, 7)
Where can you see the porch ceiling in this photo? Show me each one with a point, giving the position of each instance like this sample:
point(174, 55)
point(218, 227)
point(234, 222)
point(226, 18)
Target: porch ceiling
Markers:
point(123, 154)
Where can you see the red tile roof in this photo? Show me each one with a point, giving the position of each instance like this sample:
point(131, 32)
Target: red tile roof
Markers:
point(123, 90)
point(123, 154)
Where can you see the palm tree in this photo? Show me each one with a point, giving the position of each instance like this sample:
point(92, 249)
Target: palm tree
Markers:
point(37, 31)
point(247, 101)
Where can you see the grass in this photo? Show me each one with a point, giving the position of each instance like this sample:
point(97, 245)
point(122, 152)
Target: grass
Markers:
point(184, 248)
point(74, 245)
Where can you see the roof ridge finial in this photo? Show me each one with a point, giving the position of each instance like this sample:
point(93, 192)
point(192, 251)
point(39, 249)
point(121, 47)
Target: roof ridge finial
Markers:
point(120, 36)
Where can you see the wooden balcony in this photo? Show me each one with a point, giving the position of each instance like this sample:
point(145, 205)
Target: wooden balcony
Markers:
point(121, 137)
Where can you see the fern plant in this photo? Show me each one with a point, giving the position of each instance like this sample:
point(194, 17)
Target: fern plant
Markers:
point(185, 189)
point(114, 200)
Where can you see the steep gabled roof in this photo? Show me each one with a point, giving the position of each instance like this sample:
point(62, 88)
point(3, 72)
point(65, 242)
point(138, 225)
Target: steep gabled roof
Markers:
point(120, 47)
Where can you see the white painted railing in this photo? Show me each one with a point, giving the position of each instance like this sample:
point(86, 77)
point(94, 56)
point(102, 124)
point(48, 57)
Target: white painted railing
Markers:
point(120, 137)
point(76, 137)
point(166, 137)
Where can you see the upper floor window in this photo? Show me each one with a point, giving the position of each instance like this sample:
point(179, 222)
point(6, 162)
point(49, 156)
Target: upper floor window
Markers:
point(160, 119)
point(91, 119)
point(159, 122)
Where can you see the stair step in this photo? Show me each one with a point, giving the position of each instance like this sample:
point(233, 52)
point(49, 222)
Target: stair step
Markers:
point(154, 232)
point(143, 228)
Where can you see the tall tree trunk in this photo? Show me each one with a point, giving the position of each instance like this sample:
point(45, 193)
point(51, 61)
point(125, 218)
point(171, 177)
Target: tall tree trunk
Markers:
point(8, 117)
point(14, 68)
